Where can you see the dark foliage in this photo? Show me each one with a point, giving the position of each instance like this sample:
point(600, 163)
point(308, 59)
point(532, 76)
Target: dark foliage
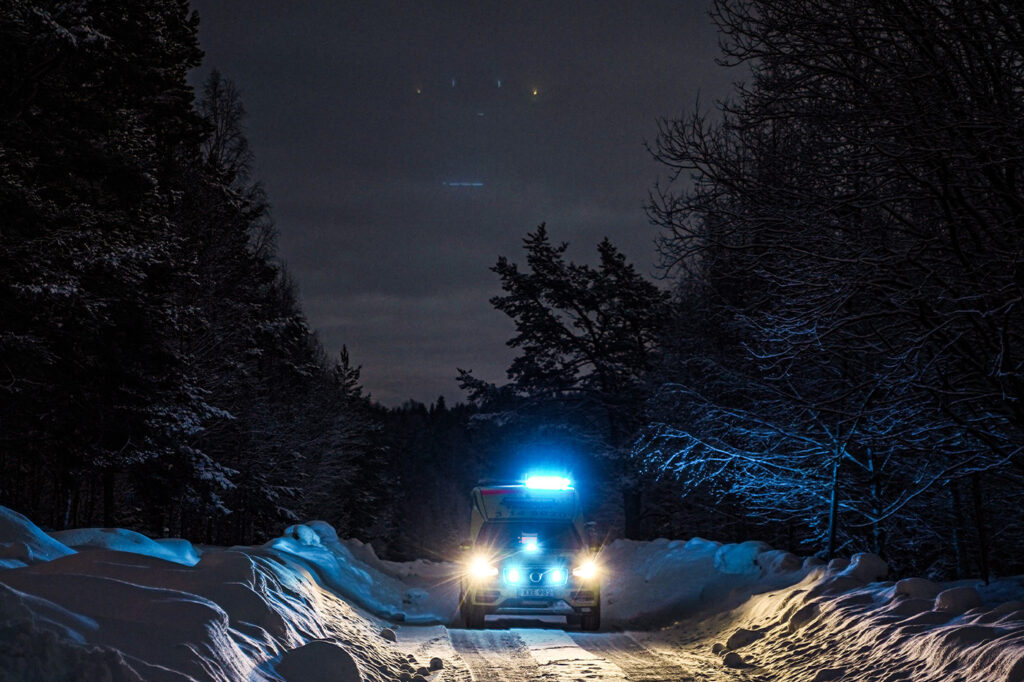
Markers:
point(156, 371)
point(435, 460)
point(846, 232)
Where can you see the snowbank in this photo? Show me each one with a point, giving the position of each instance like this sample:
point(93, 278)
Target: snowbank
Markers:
point(649, 583)
point(22, 543)
point(176, 550)
point(237, 614)
point(425, 593)
point(841, 622)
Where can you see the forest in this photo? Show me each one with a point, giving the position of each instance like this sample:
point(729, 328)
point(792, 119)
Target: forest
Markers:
point(832, 360)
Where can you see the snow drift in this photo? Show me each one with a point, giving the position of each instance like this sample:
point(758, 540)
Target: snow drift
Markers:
point(22, 544)
point(173, 549)
point(146, 611)
point(112, 604)
point(651, 583)
point(843, 622)
point(765, 610)
point(421, 592)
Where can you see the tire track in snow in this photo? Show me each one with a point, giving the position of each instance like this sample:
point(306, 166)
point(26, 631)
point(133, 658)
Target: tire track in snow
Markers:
point(530, 655)
point(639, 663)
point(495, 655)
point(560, 658)
point(425, 642)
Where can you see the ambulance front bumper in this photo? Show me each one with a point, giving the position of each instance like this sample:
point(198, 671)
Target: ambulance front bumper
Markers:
point(498, 598)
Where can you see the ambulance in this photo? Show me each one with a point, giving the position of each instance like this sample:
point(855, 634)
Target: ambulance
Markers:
point(529, 554)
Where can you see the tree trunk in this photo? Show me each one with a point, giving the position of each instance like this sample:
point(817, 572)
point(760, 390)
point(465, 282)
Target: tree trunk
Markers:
point(108, 498)
point(877, 539)
point(35, 487)
point(979, 525)
point(90, 502)
point(833, 512)
point(959, 555)
point(56, 496)
point(65, 522)
point(184, 521)
point(632, 503)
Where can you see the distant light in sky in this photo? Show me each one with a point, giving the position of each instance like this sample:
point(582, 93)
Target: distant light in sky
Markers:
point(346, 183)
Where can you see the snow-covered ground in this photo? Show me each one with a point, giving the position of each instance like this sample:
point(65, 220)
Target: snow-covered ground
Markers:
point(109, 604)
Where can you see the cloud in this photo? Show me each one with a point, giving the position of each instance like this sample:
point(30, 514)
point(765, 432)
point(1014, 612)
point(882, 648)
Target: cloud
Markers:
point(404, 341)
point(388, 259)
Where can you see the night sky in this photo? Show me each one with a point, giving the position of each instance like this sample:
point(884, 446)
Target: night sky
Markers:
point(399, 169)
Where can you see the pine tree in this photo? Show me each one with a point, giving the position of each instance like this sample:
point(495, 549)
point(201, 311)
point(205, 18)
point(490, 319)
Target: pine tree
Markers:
point(587, 338)
point(89, 168)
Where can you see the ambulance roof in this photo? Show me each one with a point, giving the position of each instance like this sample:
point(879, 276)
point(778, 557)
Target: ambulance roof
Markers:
point(512, 502)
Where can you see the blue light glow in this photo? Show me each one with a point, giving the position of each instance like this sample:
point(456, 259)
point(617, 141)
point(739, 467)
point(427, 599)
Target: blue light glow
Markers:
point(548, 482)
point(512, 575)
point(556, 575)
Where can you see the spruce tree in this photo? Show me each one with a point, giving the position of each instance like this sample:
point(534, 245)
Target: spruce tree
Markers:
point(587, 337)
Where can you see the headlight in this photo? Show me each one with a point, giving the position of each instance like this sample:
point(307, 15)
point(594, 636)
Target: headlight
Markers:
point(586, 570)
point(481, 567)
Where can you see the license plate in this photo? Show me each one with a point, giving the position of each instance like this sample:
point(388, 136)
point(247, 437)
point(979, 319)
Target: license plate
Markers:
point(536, 592)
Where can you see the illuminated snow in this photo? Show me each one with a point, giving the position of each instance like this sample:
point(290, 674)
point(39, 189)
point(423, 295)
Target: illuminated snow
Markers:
point(308, 604)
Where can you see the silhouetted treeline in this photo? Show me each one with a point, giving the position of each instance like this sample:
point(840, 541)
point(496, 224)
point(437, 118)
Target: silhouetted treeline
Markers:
point(435, 460)
point(156, 370)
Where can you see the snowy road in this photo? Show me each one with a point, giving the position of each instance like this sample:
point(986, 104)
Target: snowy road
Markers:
point(527, 654)
point(638, 663)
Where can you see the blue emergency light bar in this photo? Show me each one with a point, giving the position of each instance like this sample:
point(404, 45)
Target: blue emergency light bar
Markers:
point(548, 482)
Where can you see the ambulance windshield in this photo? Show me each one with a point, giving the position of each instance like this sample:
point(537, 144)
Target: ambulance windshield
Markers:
point(530, 536)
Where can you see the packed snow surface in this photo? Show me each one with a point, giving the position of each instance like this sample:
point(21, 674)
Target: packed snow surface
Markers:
point(308, 606)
